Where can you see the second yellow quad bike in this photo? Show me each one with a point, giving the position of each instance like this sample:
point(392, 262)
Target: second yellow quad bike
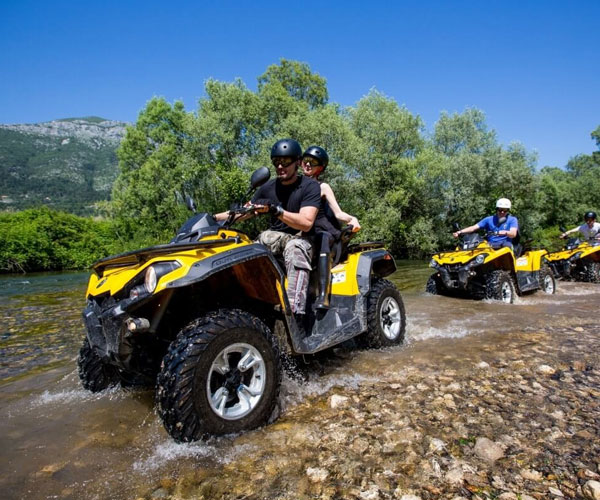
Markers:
point(478, 270)
point(207, 321)
point(579, 260)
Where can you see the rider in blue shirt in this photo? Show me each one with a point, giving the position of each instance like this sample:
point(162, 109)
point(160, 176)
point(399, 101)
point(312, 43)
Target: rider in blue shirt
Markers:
point(504, 225)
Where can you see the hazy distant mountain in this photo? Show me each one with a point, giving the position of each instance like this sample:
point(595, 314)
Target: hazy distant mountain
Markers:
point(66, 164)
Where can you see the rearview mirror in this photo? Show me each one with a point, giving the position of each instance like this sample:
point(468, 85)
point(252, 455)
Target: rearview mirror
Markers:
point(259, 177)
point(189, 202)
point(562, 229)
point(456, 226)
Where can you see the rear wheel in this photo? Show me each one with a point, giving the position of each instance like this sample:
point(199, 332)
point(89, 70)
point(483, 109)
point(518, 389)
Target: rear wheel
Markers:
point(386, 319)
point(95, 375)
point(221, 375)
point(591, 272)
point(547, 281)
point(499, 285)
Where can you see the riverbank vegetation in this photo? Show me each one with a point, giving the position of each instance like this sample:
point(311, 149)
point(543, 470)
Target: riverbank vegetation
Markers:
point(405, 184)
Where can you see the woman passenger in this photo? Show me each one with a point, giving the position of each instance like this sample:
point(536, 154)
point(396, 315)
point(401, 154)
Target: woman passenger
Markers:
point(327, 225)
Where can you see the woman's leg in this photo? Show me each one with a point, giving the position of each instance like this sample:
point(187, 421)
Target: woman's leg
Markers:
point(324, 242)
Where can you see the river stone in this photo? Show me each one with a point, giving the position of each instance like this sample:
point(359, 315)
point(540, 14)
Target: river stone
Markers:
point(532, 475)
point(410, 497)
point(316, 474)
point(455, 475)
point(591, 490)
point(555, 491)
point(337, 401)
point(483, 365)
point(487, 450)
point(370, 494)
point(546, 370)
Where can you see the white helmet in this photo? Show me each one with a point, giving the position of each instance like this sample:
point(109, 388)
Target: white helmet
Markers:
point(503, 203)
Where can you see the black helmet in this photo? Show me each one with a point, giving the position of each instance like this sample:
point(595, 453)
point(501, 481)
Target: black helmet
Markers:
point(589, 215)
point(318, 153)
point(286, 147)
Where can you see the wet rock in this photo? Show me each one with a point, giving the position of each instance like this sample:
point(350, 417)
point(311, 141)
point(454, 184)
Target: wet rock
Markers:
point(372, 493)
point(316, 474)
point(591, 490)
point(546, 370)
point(455, 475)
point(337, 401)
point(488, 450)
point(555, 491)
point(51, 469)
point(532, 475)
point(436, 444)
point(160, 494)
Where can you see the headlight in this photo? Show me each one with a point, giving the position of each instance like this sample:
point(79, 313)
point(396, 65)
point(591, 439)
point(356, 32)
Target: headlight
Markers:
point(150, 279)
point(156, 271)
point(433, 263)
point(480, 258)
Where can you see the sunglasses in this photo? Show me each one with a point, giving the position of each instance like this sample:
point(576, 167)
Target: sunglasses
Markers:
point(284, 161)
point(505, 210)
point(309, 160)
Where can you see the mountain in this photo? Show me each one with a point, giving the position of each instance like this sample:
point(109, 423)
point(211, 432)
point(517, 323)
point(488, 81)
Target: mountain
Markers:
point(67, 164)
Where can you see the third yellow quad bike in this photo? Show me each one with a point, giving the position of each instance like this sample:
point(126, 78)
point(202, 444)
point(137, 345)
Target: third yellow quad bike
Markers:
point(579, 260)
point(478, 270)
point(207, 321)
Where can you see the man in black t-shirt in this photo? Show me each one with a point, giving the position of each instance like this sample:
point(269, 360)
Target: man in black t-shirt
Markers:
point(294, 202)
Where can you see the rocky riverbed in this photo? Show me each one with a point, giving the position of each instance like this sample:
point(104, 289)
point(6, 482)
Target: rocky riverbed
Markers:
point(484, 401)
point(515, 417)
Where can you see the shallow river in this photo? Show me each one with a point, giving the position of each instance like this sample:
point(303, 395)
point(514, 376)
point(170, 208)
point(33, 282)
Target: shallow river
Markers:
point(59, 441)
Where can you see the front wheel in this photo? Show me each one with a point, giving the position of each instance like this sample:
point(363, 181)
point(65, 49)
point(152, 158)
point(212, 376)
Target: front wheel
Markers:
point(499, 285)
point(95, 374)
point(433, 285)
point(547, 281)
point(221, 375)
point(386, 319)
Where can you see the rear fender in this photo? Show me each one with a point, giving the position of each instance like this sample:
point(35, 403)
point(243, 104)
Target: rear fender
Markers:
point(373, 263)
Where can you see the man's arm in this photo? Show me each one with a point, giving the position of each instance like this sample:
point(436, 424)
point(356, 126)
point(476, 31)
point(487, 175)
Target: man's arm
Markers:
point(302, 221)
point(564, 235)
point(466, 230)
point(512, 231)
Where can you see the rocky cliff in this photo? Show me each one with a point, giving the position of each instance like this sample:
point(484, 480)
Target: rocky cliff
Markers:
point(67, 164)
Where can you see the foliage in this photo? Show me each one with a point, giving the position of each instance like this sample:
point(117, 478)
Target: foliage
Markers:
point(407, 187)
point(41, 239)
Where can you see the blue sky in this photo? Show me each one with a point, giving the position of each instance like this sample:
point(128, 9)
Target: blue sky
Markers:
point(533, 67)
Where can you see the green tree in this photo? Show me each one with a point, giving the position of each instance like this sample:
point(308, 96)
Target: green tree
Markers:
point(298, 81)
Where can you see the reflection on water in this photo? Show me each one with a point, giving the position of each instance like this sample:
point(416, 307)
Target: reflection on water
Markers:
point(57, 440)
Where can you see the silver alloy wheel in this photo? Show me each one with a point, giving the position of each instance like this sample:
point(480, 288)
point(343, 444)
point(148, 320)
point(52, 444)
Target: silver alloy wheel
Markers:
point(506, 292)
point(391, 318)
point(548, 284)
point(236, 381)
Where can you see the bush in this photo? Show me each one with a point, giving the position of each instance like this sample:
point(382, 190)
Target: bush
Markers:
point(42, 239)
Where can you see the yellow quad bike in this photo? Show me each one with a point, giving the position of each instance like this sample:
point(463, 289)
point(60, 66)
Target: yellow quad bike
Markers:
point(578, 260)
point(478, 270)
point(206, 320)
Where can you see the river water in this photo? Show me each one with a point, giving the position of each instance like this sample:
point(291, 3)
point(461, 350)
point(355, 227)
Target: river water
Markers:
point(59, 441)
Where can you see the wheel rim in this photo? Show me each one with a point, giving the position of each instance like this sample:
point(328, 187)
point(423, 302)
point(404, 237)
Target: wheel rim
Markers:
point(236, 381)
point(391, 318)
point(506, 292)
point(548, 284)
